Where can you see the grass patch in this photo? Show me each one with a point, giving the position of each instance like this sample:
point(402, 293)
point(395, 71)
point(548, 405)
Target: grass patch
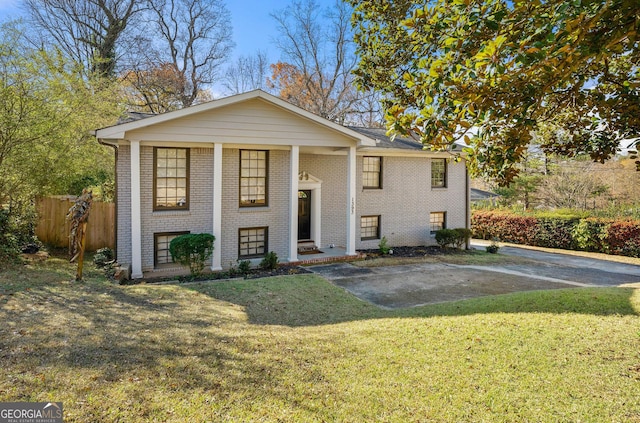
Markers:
point(296, 348)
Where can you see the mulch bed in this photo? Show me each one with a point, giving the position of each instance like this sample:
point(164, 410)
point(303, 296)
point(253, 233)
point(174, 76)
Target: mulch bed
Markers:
point(283, 269)
point(421, 251)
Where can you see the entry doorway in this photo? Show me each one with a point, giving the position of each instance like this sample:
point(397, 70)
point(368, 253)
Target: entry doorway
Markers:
point(304, 215)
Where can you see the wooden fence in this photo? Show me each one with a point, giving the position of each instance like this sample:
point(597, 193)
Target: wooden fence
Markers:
point(53, 227)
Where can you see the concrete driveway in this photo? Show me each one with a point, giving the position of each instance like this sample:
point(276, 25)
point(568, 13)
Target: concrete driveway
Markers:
point(428, 283)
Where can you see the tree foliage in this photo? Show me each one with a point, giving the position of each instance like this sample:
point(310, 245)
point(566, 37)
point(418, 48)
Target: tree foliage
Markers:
point(192, 250)
point(504, 68)
point(155, 88)
point(47, 110)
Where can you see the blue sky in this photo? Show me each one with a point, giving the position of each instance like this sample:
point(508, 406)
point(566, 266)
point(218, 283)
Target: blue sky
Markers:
point(253, 28)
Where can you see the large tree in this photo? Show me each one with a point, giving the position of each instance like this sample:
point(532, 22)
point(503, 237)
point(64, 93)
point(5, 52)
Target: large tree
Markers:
point(47, 110)
point(319, 57)
point(246, 73)
point(503, 68)
point(91, 32)
point(195, 40)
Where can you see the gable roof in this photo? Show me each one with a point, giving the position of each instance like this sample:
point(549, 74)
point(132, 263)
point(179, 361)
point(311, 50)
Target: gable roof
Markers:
point(140, 120)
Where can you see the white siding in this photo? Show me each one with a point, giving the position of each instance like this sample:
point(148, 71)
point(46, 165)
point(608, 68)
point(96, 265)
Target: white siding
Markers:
point(250, 122)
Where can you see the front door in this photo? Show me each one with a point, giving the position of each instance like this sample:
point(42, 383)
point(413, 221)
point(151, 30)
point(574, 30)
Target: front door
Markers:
point(304, 214)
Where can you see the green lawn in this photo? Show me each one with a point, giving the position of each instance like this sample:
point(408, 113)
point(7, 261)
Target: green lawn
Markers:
point(296, 348)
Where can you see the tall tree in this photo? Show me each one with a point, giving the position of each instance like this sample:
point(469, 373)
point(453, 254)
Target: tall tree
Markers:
point(152, 88)
point(91, 32)
point(246, 74)
point(195, 41)
point(47, 109)
point(319, 57)
point(504, 67)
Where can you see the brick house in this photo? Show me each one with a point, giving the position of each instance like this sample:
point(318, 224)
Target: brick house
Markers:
point(263, 175)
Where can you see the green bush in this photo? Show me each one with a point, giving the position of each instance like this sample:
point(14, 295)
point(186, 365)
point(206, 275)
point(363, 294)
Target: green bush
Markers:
point(457, 237)
point(463, 235)
point(589, 235)
point(192, 250)
point(493, 247)
point(446, 237)
point(103, 257)
point(17, 229)
point(244, 267)
point(384, 246)
point(270, 261)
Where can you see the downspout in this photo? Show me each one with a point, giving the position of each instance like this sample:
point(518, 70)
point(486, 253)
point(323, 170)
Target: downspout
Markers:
point(467, 211)
point(115, 194)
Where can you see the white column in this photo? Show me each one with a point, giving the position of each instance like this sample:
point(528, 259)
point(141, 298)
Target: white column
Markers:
point(136, 224)
point(216, 261)
point(293, 203)
point(316, 215)
point(351, 201)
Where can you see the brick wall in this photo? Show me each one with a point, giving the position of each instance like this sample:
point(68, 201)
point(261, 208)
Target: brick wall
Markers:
point(275, 215)
point(406, 200)
point(198, 219)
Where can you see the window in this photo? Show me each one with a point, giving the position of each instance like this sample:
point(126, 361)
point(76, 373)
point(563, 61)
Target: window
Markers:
point(437, 221)
point(438, 173)
point(161, 243)
point(369, 227)
point(372, 172)
point(253, 178)
point(170, 178)
point(252, 242)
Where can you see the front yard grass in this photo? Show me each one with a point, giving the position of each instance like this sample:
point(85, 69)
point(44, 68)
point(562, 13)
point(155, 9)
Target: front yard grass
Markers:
point(296, 348)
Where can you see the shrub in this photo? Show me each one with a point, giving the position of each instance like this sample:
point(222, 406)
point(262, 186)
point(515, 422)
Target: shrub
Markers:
point(270, 261)
point(446, 237)
point(589, 235)
point(493, 247)
point(192, 250)
point(463, 235)
point(17, 229)
point(244, 267)
point(457, 237)
point(555, 232)
point(384, 246)
point(103, 257)
point(623, 237)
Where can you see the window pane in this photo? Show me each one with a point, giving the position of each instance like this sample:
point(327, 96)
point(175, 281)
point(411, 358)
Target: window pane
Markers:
point(252, 242)
point(436, 221)
point(369, 227)
point(253, 177)
point(171, 173)
point(371, 169)
point(438, 173)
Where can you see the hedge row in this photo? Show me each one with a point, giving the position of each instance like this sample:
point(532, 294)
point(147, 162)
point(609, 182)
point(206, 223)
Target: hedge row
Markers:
point(610, 236)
